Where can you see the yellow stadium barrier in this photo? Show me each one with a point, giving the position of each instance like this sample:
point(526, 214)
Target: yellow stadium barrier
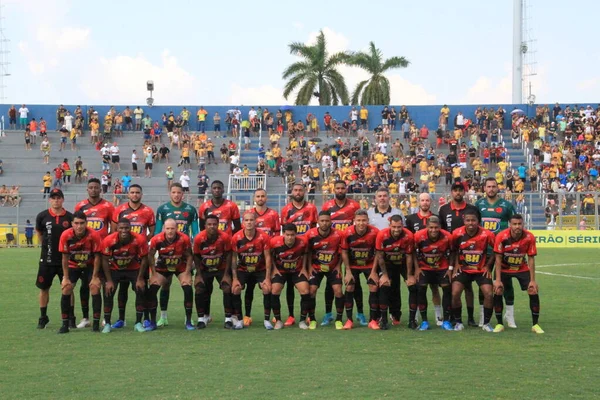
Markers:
point(19, 236)
point(567, 238)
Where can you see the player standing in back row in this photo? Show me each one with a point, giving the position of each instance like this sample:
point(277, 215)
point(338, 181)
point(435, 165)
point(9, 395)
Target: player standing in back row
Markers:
point(495, 215)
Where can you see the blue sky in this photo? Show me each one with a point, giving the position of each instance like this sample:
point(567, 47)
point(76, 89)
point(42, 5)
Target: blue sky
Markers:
point(213, 53)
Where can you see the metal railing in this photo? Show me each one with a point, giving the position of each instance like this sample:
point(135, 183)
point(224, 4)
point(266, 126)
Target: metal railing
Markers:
point(243, 183)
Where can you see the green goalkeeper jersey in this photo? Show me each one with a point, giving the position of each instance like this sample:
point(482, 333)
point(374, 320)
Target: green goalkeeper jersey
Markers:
point(495, 217)
point(186, 217)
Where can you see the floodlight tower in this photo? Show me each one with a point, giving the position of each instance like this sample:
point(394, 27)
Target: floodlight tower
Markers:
point(3, 55)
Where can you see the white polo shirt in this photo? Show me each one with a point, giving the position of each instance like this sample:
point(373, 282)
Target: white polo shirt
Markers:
point(382, 221)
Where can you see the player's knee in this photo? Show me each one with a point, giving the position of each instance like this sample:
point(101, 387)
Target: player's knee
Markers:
point(226, 287)
point(373, 288)
point(200, 287)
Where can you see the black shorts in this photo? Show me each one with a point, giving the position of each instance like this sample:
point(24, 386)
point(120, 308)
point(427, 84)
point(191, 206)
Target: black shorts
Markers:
point(46, 274)
point(127, 120)
point(169, 274)
point(433, 277)
point(106, 158)
point(292, 277)
point(186, 189)
point(356, 273)
point(85, 274)
point(466, 279)
point(333, 278)
point(523, 277)
point(134, 166)
point(148, 166)
point(218, 275)
point(124, 276)
point(245, 276)
point(115, 159)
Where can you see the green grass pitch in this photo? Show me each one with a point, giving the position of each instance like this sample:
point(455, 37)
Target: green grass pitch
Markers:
point(256, 364)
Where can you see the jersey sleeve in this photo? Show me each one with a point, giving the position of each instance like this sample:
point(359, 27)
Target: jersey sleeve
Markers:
point(106, 244)
point(235, 212)
point(38, 223)
point(344, 242)
point(143, 245)
point(228, 242)
point(277, 226)
point(96, 242)
point(194, 226)
point(411, 242)
point(63, 247)
point(267, 241)
point(532, 251)
point(379, 241)
point(115, 215)
point(491, 239)
point(498, 244)
point(159, 220)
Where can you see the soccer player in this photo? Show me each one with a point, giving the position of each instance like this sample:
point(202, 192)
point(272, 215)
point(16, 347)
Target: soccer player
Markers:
point(186, 219)
point(414, 223)
point(433, 248)
point(126, 254)
point(80, 248)
point(267, 221)
point(324, 261)
point(288, 253)
point(515, 258)
point(304, 215)
point(212, 257)
point(99, 214)
point(174, 257)
point(495, 214)
point(472, 265)
point(142, 222)
point(358, 255)
point(251, 259)
point(342, 210)
point(50, 225)
point(394, 248)
point(452, 218)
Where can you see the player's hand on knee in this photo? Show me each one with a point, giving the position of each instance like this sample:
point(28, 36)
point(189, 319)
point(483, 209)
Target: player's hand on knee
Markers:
point(498, 288)
point(374, 277)
point(66, 285)
point(109, 287)
point(349, 280)
point(532, 288)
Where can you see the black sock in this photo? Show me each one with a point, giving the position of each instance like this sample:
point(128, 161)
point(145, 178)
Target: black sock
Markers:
point(227, 304)
point(339, 308)
point(208, 297)
point(236, 301)
point(164, 299)
point(534, 305)
point(457, 314)
point(498, 307)
point(122, 298)
point(470, 311)
point(43, 312)
point(84, 299)
point(412, 302)
point(358, 296)
point(373, 306)
point(480, 297)
point(140, 305)
point(422, 301)
point(249, 298)
point(349, 304)
point(290, 297)
point(276, 306)
point(304, 306)
point(108, 306)
point(96, 307)
point(200, 300)
point(267, 306)
point(447, 302)
point(487, 315)
point(188, 301)
point(328, 298)
point(152, 300)
point(71, 311)
point(65, 306)
point(311, 309)
point(384, 301)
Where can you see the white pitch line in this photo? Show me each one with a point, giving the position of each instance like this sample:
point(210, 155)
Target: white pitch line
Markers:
point(564, 265)
point(569, 276)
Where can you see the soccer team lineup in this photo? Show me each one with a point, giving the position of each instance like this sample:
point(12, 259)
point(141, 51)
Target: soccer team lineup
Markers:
point(107, 252)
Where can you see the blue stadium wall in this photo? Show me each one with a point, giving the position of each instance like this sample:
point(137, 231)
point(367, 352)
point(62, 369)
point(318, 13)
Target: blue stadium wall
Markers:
point(427, 115)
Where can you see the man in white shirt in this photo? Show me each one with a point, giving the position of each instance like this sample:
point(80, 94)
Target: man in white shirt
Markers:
point(460, 121)
point(234, 160)
point(138, 113)
point(115, 156)
point(69, 121)
point(379, 217)
point(251, 114)
point(23, 112)
point(402, 186)
point(104, 182)
point(184, 179)
point(354, 115)
point(134, 164)
point(382, 147)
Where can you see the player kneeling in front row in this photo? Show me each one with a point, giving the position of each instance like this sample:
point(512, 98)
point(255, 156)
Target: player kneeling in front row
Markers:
point(251, 259)
point(81, 260)
point(395, 247)
point(433, 247)
point(126, 254)
point(472, 265)
point(174, 258)
point(212, 257)
point(515, 257)
point(288, 253)
point(324, 261)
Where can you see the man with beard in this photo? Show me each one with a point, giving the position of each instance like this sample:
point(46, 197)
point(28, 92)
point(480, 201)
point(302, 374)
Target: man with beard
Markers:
point(342, 210)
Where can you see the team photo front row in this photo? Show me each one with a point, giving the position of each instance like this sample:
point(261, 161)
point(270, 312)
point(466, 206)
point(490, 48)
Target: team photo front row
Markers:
point(76, 247)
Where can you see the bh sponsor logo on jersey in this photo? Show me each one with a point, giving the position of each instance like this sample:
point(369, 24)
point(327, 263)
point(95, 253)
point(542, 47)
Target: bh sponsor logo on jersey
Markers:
point(95, 224)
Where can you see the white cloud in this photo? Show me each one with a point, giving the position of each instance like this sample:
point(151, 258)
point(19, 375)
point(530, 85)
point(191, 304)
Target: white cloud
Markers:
point(63, 39)
point(261, 95)
point(335, 41)
point(298, 25)
point(123, 80)
point(406, 92)
point(487, 90)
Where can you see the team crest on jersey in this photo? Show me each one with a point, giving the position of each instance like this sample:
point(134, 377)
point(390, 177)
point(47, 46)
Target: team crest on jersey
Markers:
point(134, 218)
point(261, 223)
point(92, 214)
point(65, 224)
point(250, 249)
point(299, 218)
point(498, 210)
point(289, 256)
point(515, 250)
point(471, 246)
point(212, 252)
point(170, 253)
point(186, 214)
point(434, 251)
point(396, 248)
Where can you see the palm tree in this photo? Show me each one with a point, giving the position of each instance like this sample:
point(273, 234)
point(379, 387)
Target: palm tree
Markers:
point(376, 90)
point(316, 74)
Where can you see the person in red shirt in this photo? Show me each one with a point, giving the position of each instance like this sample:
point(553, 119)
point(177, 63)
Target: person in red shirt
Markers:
point(515, 258)
point(394, 257)
point(174, 257)
point(288, 253)
point(433, 247)
point(143, 222)
point(267, 221)
point(358, 255)
point(472, 265)
point(342, 211)
point(80, 248)
point(324, 261)
point(125, 253)
point(251, 259)
point(99, 214)
point(212, 257)
point(227, 211)
point(304, 215)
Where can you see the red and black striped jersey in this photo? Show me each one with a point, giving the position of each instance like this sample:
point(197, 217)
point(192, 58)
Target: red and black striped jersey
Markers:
point(304, 218)
point(472, 250)
point(250, 252)
point(81, 250)
point(125, 256)
point(394, 249)
point(98, 215)
point(212, 251)
point(515, 252)
point(341, 216)
point(141, 218)
point(288, 258)
point(267, 222)
point(325, 250)
point(361, 248)
point(433, 255)
point(171, 254)
point(227, 212)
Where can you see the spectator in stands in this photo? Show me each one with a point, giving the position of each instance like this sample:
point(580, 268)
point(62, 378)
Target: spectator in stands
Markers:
point(47, 183)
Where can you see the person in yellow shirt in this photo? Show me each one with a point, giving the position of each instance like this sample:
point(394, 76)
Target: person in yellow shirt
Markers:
point(203, 137)
point(94, 127)
point(47, 180)
point(201, 115)
point(393, 187)
point(431, 188)
point(519, 185)
point(379, 158)
point(397, 166)
point(423, 166)
point(456, 172)
point(364, 115)
point(499, 178)
point(502, 165)
point(364, 204)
